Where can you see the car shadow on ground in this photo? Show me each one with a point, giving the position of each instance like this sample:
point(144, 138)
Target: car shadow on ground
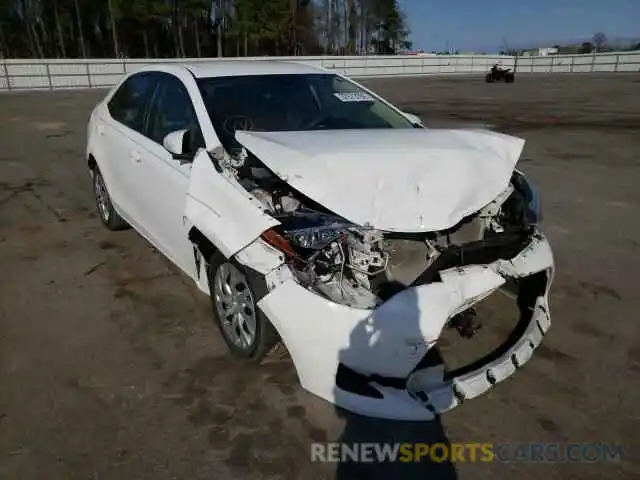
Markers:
point(359, 429)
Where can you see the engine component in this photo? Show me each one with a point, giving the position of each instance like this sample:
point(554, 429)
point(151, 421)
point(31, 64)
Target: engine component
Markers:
point(287, 204)
point(330, 255)
point(264, 197)
point(274, 204)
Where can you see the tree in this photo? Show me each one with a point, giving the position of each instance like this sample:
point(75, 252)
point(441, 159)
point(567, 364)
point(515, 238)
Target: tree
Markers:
point(56, 16)
point(599, 40)
point(168, 28)
point(114, 31)
point(391, 27)
point(80, 30)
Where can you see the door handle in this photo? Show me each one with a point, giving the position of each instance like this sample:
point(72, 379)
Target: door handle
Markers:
point(135, 156)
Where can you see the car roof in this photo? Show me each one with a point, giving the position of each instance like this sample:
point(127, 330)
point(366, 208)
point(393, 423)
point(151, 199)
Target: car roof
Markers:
point(230, 68)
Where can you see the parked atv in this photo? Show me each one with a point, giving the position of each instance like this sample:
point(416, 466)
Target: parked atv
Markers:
point(498, 74)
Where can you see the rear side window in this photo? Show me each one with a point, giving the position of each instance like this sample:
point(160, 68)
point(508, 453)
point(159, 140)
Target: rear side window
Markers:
point(129, 103)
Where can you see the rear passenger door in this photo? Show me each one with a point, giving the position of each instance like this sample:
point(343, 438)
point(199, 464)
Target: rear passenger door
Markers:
point(123, 135)
point(162, 180)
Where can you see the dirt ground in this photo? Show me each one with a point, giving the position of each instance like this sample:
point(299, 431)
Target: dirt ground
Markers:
point(110, 366)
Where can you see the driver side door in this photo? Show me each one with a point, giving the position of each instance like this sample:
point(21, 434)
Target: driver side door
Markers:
point(162, 180)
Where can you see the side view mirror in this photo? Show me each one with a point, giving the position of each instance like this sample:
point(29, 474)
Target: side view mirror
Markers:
point(178, 145)
point(413, 118)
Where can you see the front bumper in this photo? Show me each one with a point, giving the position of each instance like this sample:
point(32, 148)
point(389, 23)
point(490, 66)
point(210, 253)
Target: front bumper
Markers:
point(384, 350)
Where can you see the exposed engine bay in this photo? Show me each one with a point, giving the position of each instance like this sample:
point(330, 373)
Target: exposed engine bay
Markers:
point(360, 266)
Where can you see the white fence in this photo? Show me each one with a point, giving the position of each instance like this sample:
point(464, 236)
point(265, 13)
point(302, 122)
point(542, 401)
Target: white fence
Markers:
point(61, 74)
point(599, 62)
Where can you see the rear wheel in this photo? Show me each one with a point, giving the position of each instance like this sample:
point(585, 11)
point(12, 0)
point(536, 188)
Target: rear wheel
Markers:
point(235, 291)
point(107, 213)
point(509, 78)
point(489, 78)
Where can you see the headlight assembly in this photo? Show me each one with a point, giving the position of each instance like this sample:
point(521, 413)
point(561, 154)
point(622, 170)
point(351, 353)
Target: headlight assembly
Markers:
point(315, 238)
point(531, 197)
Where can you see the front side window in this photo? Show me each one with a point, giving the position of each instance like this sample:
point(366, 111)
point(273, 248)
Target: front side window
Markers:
point(293, 103)
point(171, 109)
point(128, 104)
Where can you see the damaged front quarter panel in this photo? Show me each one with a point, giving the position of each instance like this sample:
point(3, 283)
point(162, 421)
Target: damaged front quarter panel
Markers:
point(222, 210)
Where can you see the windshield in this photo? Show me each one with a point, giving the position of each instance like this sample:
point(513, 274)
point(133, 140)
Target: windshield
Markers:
point(277, 103)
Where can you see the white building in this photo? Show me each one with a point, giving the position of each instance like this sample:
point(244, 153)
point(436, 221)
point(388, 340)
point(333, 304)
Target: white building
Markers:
point(539, 52)
point(547, 51)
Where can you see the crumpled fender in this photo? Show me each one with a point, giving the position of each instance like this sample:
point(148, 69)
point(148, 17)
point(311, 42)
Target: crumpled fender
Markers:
point(224, 212)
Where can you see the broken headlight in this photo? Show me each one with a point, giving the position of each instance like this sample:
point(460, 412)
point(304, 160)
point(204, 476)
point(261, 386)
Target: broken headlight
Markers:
point(315, 238)
point(531, 197)
point(312, 230)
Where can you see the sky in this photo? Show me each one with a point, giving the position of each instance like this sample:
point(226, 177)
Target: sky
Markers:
point(480, 25)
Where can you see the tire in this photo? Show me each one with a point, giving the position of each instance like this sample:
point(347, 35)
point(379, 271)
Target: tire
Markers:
point(489, 78)
point(227, 278)
point(107, 213)
point(509, 78)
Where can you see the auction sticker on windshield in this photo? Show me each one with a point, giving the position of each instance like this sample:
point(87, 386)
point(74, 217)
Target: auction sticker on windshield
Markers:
point(353, 97)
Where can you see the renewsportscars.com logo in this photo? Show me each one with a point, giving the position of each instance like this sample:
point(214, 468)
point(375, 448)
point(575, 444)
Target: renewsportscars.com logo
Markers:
point(468, 452)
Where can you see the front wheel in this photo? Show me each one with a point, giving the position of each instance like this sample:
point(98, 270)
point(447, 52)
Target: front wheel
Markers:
point(235, 291)
point(489, 78)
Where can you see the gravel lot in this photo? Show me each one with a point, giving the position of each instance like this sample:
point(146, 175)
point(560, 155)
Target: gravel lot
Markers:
point(111, 368)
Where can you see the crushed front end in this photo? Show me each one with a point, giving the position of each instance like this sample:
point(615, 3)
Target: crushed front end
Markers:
point(364, 310)
point(361, 310)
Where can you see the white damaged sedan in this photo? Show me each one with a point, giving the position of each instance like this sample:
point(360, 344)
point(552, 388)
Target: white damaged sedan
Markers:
point(316, 214)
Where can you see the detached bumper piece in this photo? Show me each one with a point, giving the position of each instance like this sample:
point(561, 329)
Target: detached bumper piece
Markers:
point(385, 362)
point(440, 391)
point(437, 390)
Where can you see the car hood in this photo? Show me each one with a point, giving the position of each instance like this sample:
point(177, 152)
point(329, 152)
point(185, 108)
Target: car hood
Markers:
point(400, 180)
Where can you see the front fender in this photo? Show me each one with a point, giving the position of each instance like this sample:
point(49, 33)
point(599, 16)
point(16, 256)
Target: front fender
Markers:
point(224, 212)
